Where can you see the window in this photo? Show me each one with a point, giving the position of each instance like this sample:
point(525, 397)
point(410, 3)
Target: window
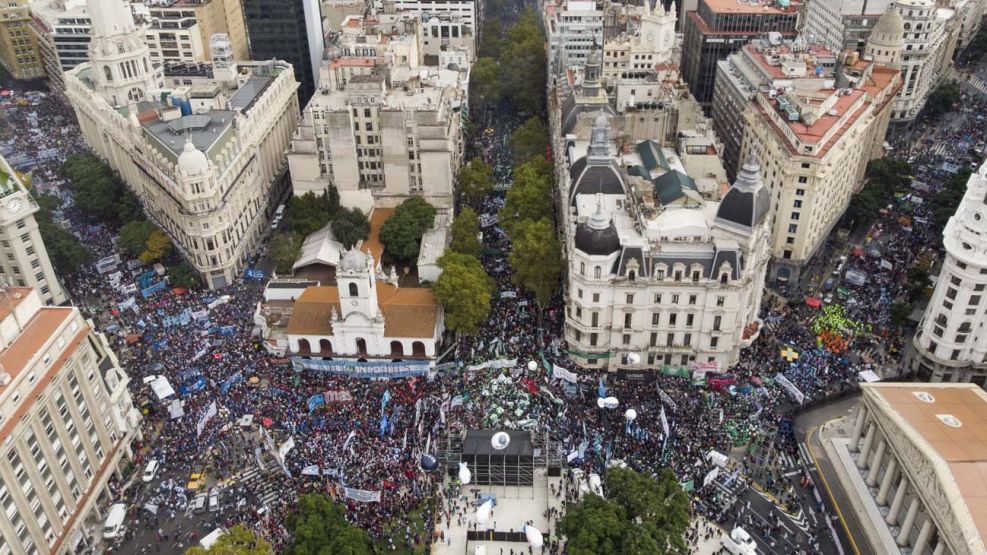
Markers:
point(653, 340)
point(657, 298)
point(692, 299)
point(592, 339)
point(672, 318)
point(630, 298)
point(799, 192)
point(597, 272)
point(955, 280)
point(793, 228)
point(670, 340)
point(687, 340)
point(596, 297)
point(695, 275)
point(974, 299)
point(595, 319)
point(582, 268)
point(655, 319)
point(659, 274)
point(626, 339)
point(720, 301)
point(354, 290)
point(795, 215)
point(803, 179)
point(678, 275)
point(675, 299)
point(689, 318)
point(950, 293)
point(627, 320)
point(713, 342)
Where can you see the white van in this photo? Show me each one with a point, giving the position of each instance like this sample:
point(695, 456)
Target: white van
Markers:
point(213, 501)
point(280, 211)
point(741, 543)
point(199, 504)
point(113, 527)
point(150, 471)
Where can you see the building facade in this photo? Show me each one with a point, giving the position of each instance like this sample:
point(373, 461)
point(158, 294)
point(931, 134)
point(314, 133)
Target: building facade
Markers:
point(18, 43)
point(68, 425)
point(61, 28)
point(658, 275)
point(180, 31)
point(909, 467)
point(927, 54)
point(291, 31)
point(843, 24)
point(719, 28)
point(947, 345)
point(25, 262)
point(574, 28)
point(201, 146)
point(814, 146)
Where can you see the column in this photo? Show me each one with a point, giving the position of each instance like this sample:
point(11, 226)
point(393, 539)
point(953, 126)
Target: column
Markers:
point(906, 527)
point(858, 428)
point(923, 536)
point(940, 547)
point(875, 467)
point(899, 496)
point(882, 494)
point(865, 450)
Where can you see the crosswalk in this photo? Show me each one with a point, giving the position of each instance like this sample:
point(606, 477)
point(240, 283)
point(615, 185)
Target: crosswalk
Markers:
point(260, 483)
point(978, 83)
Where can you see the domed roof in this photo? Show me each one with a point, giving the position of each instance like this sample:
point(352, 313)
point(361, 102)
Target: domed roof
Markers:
point(192, 161)
point(889, 23)
point(597, 236)
point(748, 201)
point(353, 261)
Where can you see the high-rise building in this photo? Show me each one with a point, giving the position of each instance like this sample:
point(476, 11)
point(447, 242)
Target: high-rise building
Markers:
point(25, 262)
point(574, 28)
point(67, 423)
point(201, 146)
point(720, 27)
point(814, 139)
point(658, 274)
point(61, 28)
point(18, 45)
point(180, 31)
point(842, 24)
point(948, 344)
point(291, 31)
point(929, 43)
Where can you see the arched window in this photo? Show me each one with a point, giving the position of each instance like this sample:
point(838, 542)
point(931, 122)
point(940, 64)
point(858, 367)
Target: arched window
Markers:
point(303, 346)
point(135, 94)
point(631, 275)
point(597, 272)
point(582, 268)
point(397, 349)
point(107, 73)
point(418, 349)
point(723, 277)
point(361, 346)
point(354, 290)
point(325, 346)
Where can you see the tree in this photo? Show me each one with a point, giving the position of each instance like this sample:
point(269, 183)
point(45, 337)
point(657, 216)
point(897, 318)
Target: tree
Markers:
point(65, 251)
point(918, 282)
point(320, 527)
point(401, 234)
point(465, 231)
point(536, 258)
point(284, 249)
point(947, 200)
point(183, 275)
point(476, 180)
point(528, 141)
point(900, 313)
point(157, 246)
point(529, 198)
point(99, 193)
point(238, 540)
point(522, 60)
point(884, 177)
point(485, 83)
point(491, 41)
point(311, 212)
point(133, 237)
point(350, 226)
point(942, 99)
point(464, 290)
point(642, 516)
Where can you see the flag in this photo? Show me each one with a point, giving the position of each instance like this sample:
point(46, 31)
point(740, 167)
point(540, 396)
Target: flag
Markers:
point(383, 426)
point(384, 400)
point(664, 422)
point(601, 390)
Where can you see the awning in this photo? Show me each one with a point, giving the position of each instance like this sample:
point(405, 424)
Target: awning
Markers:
point(813, 302)
point(162, 389)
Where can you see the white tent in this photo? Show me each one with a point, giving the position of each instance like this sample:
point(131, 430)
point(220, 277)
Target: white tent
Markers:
point(211, 538)
point(161, 388)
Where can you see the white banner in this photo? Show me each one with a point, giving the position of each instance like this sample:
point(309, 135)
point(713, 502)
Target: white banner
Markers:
point(665, 398)
point(285, 447)
point(790, 387)
point(664, 421)
point(175, 410)
point(338, 396)
point(711, 475)
point(456, 401)
point(201, 425)
point(494, 364)
point(563, 374)
point(711, 366)
point(362, 495)
point(508, 295)
point(311, 470)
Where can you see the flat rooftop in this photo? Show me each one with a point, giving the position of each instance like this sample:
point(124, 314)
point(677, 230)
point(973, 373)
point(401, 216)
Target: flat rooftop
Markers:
point(205, 130)
point(735, 6)
point(36, 333)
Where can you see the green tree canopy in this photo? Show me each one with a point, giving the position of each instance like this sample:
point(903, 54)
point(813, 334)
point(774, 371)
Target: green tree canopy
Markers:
point(476, 180)
point(536, 258)
point(642, 516)
point(465, 231)
point(528, 141)
point(183, 275)
point(942, 99)
point(65, 251)
point(350, 226)
point(99, 193)
point(464, 289)
point(884, 177)
point(401, 234)
point(133, 237)
point(485, 82)
point(310, 212)
point(947, 200)
point(284, 249)
point(529, 198)
point(522, 60)
point(900, 313)
point(492, 40)
point(238, 540)
point(157, 246)
point(320, 528)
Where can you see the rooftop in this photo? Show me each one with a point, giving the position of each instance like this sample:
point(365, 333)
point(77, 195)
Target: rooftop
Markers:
point(17, 356)
point(408, 311)
point(736, 6)
point(205, 130)
point(14, 297)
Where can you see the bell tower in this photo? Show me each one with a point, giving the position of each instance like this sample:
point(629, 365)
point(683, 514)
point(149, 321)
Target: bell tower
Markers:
point(122, 71)
point(357, 284)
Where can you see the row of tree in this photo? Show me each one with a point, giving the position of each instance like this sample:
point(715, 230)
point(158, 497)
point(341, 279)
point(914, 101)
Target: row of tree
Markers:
point(309, 213)
point(884, 177)
point(511, 66)
point(464, 289)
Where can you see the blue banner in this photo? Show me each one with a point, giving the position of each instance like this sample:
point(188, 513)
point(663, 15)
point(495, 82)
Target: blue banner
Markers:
point(355, 369)
point(187, 389)
point(158, 345)
point(316, 401)
point(182, 319)
point(148, 291)
point(227, 330)
point(230, 382)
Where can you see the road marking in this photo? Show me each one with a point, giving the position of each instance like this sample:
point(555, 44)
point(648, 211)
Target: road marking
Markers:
point(792, 473)
point(839, 513)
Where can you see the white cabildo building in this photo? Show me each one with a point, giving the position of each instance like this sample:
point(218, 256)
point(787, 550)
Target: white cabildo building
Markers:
point(949, 345)
point(200, 146)
point(658, 274)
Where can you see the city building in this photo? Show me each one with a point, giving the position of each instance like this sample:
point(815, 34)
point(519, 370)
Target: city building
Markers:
point(843, 24)
point(644, 42)
point(908, 461)
point(19, 51)
point(180, 31)
point(970, 17)
point(382, 127)
point(25, 262)
point(948, 345)
point(763, 65)
point(202, 146)
point(930, 35)
point(290, 31)
point(574, 28)
point(658, 274)
point(365, 314)
point(67, 423)
point(720, 27)
point(62, 31)
point(468, 13)
point(814, 145)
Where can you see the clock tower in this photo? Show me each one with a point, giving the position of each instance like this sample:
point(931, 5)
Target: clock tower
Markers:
point(24, 258)
point(122, 70)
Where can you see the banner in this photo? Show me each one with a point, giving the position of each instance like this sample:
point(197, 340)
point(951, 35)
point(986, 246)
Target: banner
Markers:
point(206, 416)
point(311, 470)
point(189, 388)
point(316, 401)
point(175, 410)
point(456, 401)
point(181, 319)
point(200, 315)
point(565, 375)
point(362, 495)
point(285, 448)
point(338, 396)
point(666, 399)
point(354, 369)
point(494, 364)
point(129, 303)
point(790, 387)
point(664, 422)
point(148, 291)
point(711, 366)
point(711, 475)
point(487, 220)
point(230, 382)
point(508, 294)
